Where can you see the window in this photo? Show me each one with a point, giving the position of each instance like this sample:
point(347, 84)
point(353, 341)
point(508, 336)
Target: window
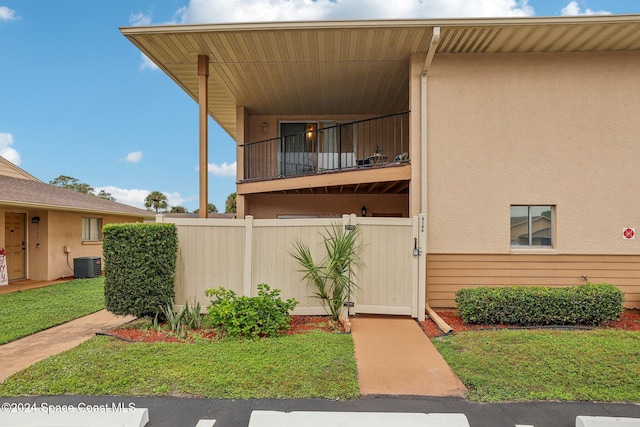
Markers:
point(92, 229)
point(532, 226)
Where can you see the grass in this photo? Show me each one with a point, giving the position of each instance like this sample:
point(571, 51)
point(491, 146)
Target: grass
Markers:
point(26, 312)
point(308, 365)
point(505, 365)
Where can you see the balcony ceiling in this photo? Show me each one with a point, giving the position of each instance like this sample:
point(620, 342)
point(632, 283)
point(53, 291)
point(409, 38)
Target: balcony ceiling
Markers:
point(314, 68)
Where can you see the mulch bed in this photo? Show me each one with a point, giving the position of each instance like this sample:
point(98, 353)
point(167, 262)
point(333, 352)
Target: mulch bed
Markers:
point(629, 321)
point(136, 332)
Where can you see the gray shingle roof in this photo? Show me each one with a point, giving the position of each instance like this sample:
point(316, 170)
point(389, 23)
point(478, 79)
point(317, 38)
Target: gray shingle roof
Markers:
point(27, 193)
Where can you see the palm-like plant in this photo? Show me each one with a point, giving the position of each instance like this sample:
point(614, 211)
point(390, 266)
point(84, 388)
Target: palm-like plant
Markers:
point(333, 277)
point(156, 200)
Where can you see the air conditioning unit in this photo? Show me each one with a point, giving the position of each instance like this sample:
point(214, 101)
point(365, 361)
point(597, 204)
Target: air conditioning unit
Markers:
point(87, 267)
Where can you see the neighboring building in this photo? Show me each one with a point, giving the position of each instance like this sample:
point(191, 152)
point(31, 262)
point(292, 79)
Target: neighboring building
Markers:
point(44, 227)
point(515, 136)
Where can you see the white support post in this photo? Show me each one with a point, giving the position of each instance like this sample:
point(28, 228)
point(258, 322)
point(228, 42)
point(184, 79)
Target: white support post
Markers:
point(159, 218)
point(247, 274)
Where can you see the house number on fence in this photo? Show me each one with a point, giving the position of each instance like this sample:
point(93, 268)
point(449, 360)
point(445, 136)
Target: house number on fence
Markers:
point(629, 233)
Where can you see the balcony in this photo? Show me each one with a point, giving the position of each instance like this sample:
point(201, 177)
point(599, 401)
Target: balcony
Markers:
point(360, 145)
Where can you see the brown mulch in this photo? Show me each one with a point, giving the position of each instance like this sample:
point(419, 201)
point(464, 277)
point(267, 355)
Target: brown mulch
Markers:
point(629, 321)
point(138, 332)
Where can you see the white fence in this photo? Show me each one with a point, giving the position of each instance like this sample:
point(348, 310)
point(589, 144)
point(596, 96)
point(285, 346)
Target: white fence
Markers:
point(239, 254)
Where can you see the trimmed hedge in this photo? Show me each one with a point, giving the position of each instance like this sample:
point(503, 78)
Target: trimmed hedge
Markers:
point(589, 304)
point(139, 270)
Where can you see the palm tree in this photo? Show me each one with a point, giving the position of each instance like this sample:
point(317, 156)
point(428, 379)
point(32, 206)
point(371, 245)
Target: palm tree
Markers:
point(156, 200)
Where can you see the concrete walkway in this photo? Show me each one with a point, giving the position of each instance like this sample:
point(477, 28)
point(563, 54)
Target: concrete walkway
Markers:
point(20, 354)
point(395, 357)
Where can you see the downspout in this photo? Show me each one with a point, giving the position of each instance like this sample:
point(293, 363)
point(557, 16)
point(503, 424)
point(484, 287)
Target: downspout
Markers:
point(433, 45)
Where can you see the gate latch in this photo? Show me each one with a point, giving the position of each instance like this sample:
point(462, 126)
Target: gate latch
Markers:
point(416, 251)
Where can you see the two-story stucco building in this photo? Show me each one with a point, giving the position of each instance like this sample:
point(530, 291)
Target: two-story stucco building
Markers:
point(516, 137)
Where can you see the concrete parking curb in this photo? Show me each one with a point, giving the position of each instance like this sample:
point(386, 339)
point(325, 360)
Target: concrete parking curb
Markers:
point(584, 421)
point(354, 419)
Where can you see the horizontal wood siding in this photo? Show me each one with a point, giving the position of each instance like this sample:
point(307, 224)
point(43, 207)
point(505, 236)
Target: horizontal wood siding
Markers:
point(447, 273)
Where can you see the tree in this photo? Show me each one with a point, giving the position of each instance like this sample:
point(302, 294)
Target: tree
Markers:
point(156, 200)
point(179, 209)
point(72, 183)
point(107, 196)
point(211, 208)
point(230, 204)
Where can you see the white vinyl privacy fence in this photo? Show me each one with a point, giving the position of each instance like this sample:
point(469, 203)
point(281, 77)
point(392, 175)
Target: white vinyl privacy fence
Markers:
point(239, 254)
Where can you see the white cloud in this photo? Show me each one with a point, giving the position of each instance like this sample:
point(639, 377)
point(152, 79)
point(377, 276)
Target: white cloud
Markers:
point(7, 14)
point(146, 63)
point(573, 8)
point(133, 157)
point(139, 19)
point(201, 11)
point(135, 197)
point(225, 169)
point(11, 154)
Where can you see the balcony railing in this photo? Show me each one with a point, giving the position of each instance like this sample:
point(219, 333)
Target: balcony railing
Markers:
point(347, 146)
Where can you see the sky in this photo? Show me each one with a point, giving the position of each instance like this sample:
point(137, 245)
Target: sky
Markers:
point(78, 99)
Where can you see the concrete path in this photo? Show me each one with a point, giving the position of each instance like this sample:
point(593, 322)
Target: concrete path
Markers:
point(20, 354)
point(395, 357)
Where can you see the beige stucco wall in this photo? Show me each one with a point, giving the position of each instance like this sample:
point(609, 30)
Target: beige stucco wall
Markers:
point(255, 132)
point(271, 205)
point(46, 259)
point(559, 129)
point(65, 229)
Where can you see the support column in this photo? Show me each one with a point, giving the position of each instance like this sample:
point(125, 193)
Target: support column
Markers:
point(242, 135)
point(203, 100)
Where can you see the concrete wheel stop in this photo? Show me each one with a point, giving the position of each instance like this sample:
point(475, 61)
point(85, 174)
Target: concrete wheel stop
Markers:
point(354, 419)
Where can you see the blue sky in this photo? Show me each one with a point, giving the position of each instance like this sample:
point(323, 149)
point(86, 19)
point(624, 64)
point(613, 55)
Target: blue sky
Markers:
point(78, 99)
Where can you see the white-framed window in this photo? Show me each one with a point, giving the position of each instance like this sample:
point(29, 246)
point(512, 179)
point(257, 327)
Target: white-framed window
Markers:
point(91, 229)
point(532, 226)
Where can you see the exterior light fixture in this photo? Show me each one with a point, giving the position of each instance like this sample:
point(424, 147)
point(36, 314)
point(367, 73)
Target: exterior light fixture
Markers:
point(265, 127)
point(364, 211)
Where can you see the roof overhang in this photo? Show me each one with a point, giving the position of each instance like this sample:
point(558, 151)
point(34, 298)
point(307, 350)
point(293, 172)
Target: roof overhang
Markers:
point(26, 206)
point(347, 67)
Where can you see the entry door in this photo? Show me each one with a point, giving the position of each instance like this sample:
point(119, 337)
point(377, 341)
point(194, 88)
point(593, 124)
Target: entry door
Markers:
point(15, 237)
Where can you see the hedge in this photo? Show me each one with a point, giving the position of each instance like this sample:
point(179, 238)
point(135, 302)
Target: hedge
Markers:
point(588, 304)
point(139, 270)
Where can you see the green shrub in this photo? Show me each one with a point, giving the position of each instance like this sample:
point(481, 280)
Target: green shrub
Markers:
point(589, 304)
point(140, 263)
point(264, 315)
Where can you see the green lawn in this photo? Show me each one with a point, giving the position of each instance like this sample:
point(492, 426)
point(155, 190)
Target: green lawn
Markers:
point(505, 365)
point(293, 366)
point(25, 312)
